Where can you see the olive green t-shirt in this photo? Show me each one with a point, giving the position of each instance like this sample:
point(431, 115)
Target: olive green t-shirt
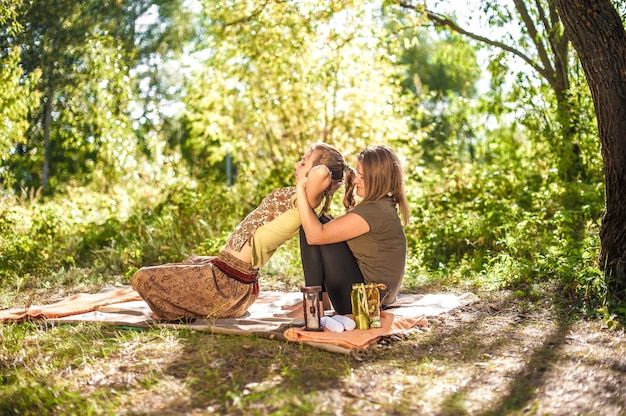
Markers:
point(381, 253)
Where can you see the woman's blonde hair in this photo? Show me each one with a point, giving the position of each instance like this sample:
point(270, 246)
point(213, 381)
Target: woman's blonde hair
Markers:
point(383, 176)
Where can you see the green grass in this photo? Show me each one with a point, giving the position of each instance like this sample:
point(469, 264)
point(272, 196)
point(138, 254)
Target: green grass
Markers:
point(94, 369)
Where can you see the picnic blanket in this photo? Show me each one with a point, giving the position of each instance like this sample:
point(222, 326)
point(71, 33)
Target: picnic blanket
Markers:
point(267, 317)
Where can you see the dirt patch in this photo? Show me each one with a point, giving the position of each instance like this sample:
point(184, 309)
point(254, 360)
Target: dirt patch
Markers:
point(506, 355)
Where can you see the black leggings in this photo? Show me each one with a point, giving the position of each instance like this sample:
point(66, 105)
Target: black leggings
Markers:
point(333, 267)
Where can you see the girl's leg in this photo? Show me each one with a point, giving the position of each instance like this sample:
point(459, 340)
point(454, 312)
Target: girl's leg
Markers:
point(175, 291)
point(333, 267)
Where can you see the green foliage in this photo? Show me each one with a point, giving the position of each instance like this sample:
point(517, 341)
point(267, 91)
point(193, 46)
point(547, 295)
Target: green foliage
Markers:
point(28, 240)
point(81, 60)
point(41, 236)
point(507, 222)
point(289, 75)
point(17, 99)
point(438, 62)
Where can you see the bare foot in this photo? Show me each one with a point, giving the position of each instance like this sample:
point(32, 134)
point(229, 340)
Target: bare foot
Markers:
point(297, 305)
point(293, 314)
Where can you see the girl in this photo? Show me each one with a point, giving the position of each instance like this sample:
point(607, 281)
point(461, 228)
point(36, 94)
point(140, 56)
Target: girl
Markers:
point(226, 285)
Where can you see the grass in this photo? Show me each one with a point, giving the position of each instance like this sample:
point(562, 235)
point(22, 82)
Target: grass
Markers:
point(94, 369)
point(504, 355)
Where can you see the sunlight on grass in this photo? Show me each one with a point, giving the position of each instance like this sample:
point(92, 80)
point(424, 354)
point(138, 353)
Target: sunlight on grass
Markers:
point(87, 360)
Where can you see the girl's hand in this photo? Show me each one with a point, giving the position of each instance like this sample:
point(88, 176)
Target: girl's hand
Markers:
point(301, 182)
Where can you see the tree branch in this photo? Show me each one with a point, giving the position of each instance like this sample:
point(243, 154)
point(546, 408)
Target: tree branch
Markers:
point(444, 21)
point(250, 17)
point(542, 16)
point(560, 42)
point(534, 35)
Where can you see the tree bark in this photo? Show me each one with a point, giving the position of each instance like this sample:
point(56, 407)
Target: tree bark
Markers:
point(47, 154)
point(597, 34)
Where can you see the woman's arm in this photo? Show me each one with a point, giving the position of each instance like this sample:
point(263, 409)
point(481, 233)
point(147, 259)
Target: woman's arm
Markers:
point(342, 228)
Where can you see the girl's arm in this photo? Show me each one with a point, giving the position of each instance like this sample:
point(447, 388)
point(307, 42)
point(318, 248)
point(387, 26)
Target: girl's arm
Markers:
point(318, 180)
point(342, 228)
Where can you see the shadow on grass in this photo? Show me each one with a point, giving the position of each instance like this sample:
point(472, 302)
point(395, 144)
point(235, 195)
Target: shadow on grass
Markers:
point(234, 374)
point(466, 346)
point(240, 374)
point(531, 377)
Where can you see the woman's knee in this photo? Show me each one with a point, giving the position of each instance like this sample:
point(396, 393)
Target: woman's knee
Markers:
point(139, 281)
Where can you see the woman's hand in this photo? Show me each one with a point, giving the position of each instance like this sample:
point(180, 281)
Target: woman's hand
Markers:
point(343, 228)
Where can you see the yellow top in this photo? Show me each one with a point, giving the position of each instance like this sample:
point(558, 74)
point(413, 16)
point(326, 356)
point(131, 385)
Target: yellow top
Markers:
point(269, 237)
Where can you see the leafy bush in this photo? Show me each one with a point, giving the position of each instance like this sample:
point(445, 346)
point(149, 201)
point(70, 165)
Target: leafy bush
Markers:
point(492, 226)
point(39, 236)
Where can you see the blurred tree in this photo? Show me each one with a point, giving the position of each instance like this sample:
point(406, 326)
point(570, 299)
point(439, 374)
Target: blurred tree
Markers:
point(442, 71)
point(18, 96)
point(85, 53)
point(276, 76)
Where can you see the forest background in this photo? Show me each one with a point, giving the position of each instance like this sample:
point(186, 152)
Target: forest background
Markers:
point(139, 132)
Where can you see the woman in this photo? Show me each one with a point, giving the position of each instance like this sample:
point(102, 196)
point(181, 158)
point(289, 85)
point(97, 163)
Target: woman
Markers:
point(368, 243)
point(226, 285)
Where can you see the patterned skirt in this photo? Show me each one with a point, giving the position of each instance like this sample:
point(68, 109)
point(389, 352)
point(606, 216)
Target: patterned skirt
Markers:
point(198, 288)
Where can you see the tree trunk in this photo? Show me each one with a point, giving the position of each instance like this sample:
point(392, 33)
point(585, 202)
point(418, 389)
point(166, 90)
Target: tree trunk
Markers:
point(596, 32)
point(47, 154)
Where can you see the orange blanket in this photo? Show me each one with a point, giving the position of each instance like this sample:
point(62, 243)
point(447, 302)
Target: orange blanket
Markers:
point(357, 338)
point(73, 305)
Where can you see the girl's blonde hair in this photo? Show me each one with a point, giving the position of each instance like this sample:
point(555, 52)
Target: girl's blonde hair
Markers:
point(383, 176)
